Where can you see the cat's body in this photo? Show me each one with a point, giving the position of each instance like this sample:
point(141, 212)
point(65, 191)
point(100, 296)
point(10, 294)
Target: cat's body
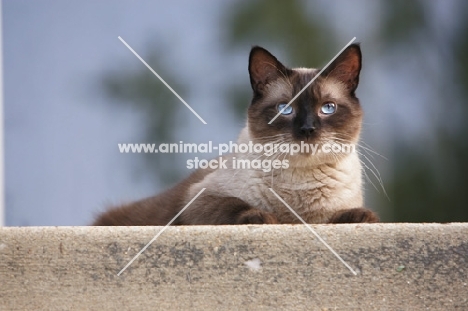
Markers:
point(321, 187)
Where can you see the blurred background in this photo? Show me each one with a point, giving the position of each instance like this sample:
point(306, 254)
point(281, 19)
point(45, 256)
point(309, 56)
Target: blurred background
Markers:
point(73, 91)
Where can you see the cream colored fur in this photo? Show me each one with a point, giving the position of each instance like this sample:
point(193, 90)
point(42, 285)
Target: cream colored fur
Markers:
point(315, 187)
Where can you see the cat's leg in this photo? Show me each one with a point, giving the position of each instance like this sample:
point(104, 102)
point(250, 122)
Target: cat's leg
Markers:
point(354, 215)
point(213, 210)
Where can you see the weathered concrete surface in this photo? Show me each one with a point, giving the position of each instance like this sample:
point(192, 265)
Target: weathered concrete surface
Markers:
point(400, 267)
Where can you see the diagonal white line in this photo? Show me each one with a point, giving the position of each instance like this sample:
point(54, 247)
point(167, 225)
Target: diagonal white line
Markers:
point(160, 232)
point(313, 231)
point(313, 79)
point(162, 80)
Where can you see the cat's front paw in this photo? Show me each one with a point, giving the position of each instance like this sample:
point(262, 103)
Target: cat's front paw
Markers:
point(255, 216)
point(354, 215)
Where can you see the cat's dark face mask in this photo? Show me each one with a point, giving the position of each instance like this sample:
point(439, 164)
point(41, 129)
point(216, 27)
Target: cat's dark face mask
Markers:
point(326, 112)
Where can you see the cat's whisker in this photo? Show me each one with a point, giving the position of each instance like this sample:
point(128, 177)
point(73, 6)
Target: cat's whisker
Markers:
point(284, 157)
point(373, 169)
point(366, 167)
point(270, 136)
point(369, 180)
point(361, 144)
point(376, 173)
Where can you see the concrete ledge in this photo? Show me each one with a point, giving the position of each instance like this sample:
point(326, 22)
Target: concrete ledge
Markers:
point(400, 267)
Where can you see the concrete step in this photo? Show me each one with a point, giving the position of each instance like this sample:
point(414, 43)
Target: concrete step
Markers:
point(284, 267)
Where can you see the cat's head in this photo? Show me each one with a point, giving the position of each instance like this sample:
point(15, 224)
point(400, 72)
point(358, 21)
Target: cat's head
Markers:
point(326, 112)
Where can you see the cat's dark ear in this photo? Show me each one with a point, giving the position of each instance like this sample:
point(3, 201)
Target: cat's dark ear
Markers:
point(346, 67)
point(263, 68)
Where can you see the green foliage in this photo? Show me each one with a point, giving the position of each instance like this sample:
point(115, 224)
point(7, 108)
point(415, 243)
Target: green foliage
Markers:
point(422, 192)
point(142, 91)
point(460, 54)
point(403, 20)
point(429, 181)
point(282, 24)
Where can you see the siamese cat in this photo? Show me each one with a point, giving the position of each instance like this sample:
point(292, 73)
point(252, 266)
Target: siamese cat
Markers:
point(321, 187)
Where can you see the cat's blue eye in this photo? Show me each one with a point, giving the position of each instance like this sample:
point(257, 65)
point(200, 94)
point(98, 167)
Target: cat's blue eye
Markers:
point(286, 111)
point(328, 108)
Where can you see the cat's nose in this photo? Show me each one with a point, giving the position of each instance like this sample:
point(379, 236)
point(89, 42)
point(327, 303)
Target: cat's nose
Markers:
point(307, 130)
